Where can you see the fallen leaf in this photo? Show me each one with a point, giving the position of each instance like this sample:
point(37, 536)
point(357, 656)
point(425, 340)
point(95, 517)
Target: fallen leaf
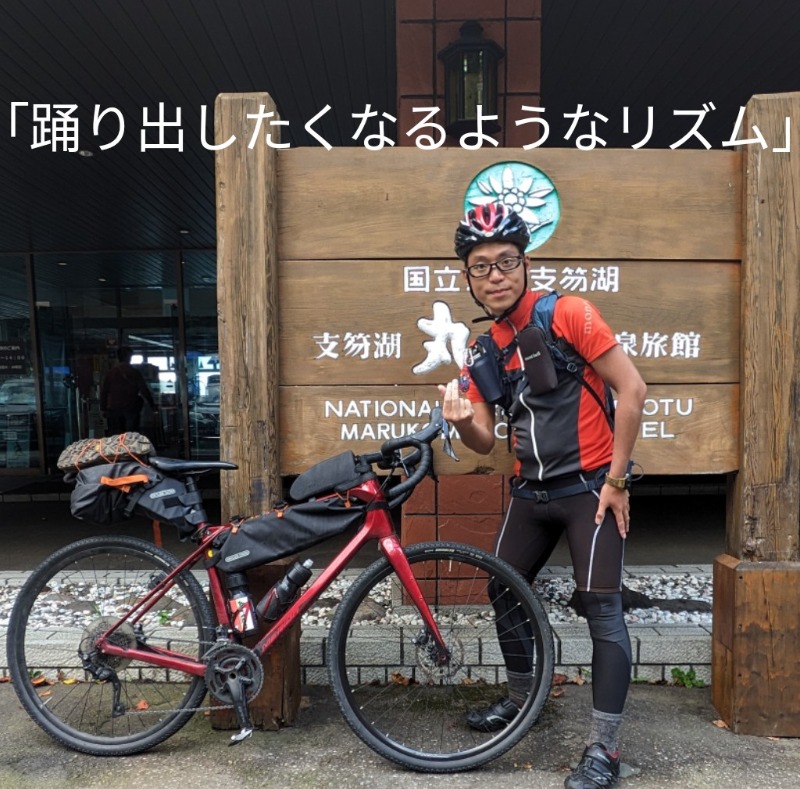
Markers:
point(557, 692)
point(579, 680)
point(70, 681)
point(720, 724)
point(39, 681)
point(142, 705)
point(5, 678)
point(45, 694)
point(560, 679)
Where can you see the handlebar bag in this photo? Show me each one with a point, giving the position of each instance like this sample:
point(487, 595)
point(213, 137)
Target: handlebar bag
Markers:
point(273, 535)
point(337, 474)
point(111, 501)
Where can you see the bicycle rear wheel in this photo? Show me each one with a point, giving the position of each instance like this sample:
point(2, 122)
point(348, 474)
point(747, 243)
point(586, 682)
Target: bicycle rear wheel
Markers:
point(405, 699)
point(66, 685)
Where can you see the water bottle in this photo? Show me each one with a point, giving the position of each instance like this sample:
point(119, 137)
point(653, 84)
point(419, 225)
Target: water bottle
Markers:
point(283, 594)
point(240, 604)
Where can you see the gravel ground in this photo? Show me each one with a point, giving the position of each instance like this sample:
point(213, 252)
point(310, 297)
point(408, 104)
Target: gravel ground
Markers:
point(554, 591)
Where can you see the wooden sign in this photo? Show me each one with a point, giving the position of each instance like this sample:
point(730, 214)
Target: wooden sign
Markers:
point(351, 203)
point(684, 426)
point(403, 322)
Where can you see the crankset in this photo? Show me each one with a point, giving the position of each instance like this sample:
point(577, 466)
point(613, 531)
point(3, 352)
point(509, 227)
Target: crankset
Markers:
point(234, 676)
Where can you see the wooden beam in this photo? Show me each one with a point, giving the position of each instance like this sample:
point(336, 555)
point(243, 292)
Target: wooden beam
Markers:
point(247, 304)
point(765, 522)
point(756, 638)
point(247, 307)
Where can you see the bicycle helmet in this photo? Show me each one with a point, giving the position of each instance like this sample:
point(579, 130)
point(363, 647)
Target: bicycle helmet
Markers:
point(490, 222)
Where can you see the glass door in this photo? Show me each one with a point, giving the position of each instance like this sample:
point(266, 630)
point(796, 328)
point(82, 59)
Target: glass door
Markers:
point(160, 304)
point(19, 412)
point(203, 379)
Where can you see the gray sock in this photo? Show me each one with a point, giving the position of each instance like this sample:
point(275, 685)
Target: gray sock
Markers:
point(605, 726)
point(519, 686)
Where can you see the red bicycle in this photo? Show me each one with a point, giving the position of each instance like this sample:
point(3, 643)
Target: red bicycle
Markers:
point(114, 642)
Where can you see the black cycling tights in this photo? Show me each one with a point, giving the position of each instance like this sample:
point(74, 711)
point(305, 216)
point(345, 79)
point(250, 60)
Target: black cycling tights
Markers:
point(526, 539)
point(513, 629)
point(611, 656)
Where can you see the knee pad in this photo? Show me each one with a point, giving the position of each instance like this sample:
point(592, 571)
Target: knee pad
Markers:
point(605, 618)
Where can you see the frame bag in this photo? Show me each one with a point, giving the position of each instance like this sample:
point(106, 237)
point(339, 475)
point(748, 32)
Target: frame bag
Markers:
point(273, 535)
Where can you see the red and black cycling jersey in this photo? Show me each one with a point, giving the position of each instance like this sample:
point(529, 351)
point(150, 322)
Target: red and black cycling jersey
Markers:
point(563, 431)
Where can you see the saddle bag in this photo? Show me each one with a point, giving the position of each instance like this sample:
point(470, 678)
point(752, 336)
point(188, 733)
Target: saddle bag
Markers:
point(113, 492)
point(97, 501)
point(168, 501)
point(283, 532)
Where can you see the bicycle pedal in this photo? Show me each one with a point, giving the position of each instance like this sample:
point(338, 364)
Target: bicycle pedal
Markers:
point(240, 737)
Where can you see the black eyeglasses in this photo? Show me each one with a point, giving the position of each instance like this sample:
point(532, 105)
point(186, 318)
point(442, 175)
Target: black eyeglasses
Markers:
point(480, 270)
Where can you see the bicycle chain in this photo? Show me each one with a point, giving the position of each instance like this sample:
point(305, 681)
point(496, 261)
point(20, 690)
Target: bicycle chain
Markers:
point(211, 645)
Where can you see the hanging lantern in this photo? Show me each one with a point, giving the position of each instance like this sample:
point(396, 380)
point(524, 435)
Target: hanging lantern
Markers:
point(470, 79)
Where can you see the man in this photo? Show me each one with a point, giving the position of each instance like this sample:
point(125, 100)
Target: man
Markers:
point(122, 395)
point(572, 462)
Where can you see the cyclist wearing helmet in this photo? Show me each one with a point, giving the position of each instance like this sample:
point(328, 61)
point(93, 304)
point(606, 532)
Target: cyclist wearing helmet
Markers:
point(571, 472)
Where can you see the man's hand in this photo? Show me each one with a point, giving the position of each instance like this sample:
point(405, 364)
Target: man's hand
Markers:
point(618, 501)
point(456, 409)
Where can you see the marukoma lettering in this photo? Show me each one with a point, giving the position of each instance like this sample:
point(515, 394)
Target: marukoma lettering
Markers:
point(378, 409)
point(379, 431)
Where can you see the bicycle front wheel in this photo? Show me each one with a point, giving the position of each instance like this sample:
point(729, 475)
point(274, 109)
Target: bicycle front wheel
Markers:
point(96, 703)
point(407, 698)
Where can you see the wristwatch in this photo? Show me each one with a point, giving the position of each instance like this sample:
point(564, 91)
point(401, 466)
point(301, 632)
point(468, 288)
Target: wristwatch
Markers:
point(623, 483)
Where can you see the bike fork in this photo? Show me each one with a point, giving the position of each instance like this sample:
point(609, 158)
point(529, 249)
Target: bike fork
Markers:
point(394, 553)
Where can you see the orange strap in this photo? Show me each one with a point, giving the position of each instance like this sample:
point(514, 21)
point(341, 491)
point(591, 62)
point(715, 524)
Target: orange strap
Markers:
point(126, 483)
point(122, 449)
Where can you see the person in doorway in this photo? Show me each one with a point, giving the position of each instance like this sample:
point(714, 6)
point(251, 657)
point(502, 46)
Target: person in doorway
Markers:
point(123, 393)
point(573, 458)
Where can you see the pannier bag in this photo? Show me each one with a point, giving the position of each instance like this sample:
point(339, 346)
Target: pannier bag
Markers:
point(96, 451)
point(273, 535)
point(115, 491)
point(334, 475)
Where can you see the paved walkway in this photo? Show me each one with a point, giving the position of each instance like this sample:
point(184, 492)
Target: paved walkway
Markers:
point(669, 738)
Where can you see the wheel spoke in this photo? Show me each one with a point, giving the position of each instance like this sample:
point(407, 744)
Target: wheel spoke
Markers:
point(64, 681)
point(406, 698)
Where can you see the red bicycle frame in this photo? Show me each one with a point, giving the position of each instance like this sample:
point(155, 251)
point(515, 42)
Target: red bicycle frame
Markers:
point(377, 526)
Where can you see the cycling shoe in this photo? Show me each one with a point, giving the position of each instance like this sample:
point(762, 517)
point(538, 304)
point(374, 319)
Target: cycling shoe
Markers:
point(493, 718)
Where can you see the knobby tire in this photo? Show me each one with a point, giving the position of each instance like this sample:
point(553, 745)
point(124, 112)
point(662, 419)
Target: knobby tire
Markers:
point(82, 588)
point(398, 696)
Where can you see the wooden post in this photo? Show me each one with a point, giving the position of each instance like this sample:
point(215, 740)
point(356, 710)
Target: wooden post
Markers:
point(247, 306)
point(756, 642)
